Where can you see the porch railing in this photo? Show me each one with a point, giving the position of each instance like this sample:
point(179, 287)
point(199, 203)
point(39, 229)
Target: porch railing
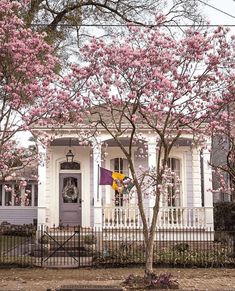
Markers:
point(168, 217)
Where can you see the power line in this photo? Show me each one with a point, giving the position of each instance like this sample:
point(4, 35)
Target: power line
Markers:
point(148, 25)
point(217, 9)
point(125, 25)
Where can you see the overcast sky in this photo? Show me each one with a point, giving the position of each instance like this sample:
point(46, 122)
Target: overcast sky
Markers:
point(218, 18)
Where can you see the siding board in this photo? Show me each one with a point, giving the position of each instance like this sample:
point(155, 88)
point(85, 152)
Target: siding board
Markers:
point(19, 215)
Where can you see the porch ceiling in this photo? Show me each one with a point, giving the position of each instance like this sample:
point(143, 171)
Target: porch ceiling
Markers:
point(75, 142)
point(125, 142)
point(65, 142)
point(111, 142)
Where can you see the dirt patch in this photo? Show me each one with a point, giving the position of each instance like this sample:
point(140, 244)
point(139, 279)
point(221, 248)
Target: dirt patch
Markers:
point(37, 279)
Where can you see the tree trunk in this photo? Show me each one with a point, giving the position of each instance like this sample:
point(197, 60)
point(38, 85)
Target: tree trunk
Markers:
point(150, 239)
point(149, 256)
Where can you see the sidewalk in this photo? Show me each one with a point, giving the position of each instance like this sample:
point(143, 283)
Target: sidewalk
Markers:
point(49, 279)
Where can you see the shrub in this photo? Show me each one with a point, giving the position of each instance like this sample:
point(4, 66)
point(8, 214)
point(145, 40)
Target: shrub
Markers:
point(164, 281)
point(90, 239)
point(224, 216)
point(154, 281)
point(181, 247)
point(17, 230)
point(44, 239)
point(123, 254)
point(222, 237)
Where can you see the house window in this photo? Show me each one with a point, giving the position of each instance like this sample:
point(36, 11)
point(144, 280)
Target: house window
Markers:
point(70, 166)
point(28, 195)
point(17, 199)
point(173, 199)
point(119, 165)
point(11, 194)
point(8, 194)
point(35, 195)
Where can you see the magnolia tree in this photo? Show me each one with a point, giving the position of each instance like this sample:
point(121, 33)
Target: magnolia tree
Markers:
point(152, 82)
point(26, 73)
point(69, 23)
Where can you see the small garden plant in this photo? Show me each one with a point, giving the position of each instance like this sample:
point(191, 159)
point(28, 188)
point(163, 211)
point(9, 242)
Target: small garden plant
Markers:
point(153, 281)
point(90, 239)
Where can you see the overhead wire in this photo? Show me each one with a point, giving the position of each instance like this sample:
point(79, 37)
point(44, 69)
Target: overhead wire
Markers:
point(149, 25)
point(217, 9)
point(133, 24)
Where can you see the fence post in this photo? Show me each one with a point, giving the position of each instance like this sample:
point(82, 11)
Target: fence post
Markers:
point(233, 236)
point(79, 245)
point(41, 245)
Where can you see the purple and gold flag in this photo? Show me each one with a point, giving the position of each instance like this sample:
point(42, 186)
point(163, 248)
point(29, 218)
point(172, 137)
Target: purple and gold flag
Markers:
point(105, 177)
point(118, 181)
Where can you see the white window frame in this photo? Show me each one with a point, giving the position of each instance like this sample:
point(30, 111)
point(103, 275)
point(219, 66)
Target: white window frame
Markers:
point(12, 184)
point(180, 196)
point(121, 202)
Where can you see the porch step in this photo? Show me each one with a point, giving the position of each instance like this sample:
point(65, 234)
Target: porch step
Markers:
point(67, 243)
point(72, 244)
point(74, 253)
point(55, 252)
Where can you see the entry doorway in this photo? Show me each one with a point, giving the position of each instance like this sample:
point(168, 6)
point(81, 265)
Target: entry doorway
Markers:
point(70, 197)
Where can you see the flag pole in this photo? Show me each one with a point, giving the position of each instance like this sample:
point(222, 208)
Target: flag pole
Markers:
point(98, 182)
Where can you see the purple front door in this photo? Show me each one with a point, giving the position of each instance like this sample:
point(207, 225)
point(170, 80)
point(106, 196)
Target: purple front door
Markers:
point(70, 199)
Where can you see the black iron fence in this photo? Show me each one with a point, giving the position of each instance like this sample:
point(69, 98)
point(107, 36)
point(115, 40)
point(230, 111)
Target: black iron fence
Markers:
point(16, 244)
point(77, 247)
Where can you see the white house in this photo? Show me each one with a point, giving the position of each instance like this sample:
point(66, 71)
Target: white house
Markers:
point(90, 204)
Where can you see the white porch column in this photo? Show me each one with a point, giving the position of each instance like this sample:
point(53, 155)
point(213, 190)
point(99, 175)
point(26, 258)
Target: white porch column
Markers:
point(196, 175)
point(42, 186)
point(152, 163)
point(96, 189)
point(208, 196)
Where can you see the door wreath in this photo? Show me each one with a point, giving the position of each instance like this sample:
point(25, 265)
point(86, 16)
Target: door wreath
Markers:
point(70, 192)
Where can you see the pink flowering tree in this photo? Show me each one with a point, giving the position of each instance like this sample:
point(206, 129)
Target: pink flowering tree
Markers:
point(66, 21)
point(26, 73)
point(150, 82)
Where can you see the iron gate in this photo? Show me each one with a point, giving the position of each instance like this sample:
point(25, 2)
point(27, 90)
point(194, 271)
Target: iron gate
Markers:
point(64, 248)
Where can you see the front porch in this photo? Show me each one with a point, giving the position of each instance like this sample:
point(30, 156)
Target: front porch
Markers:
point(168, 217)
point(94, 204)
